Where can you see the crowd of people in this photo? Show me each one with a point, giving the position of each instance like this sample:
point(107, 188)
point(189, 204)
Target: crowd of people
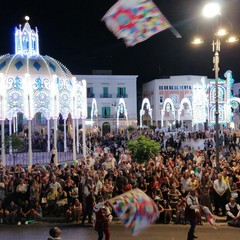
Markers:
point(71, 190)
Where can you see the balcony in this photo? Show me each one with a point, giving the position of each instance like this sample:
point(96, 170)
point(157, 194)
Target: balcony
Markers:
point(122, 95)
point(107, 116)
point(90, 95)
point(105, 95)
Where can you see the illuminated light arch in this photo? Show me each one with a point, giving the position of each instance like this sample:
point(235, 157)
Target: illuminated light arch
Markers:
point(222, 114)
point(187, 101)
point(235, 99)
point(167, 101)
point(94, 111)
point(142, 111)
point(121, 106)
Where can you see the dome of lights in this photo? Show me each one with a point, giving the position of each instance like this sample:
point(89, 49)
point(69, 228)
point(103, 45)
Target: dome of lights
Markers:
point(32, 83)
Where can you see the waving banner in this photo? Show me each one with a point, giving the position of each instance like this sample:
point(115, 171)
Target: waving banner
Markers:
point(135, 209)
point(135, 20)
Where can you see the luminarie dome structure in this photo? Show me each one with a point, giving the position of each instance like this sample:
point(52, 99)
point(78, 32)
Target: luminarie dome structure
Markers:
point(32, 84)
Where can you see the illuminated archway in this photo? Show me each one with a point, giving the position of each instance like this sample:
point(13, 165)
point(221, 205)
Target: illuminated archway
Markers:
point(187, 101)
point(168, 102)
point(121, 109)
point(142, 111)
point(94, 112)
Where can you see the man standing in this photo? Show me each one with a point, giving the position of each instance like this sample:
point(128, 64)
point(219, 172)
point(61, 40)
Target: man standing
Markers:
point(220, 195)
point(192, 211)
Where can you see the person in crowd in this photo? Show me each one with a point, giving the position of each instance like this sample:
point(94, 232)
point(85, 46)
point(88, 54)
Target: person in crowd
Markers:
point(34, 192)
point(101, 220)
point(11, 213)
point(174, 196)
point(52, 161)
point(88, 200)
point(36, 212)
point(180, 212)
point(76, 210)
point(192, 211)
point(220, 197)
point(167, 213)
point(55, 233)
point(22, 191)
point(52, 198)
point(24, 213)
point(2, 212)
point(232, 210)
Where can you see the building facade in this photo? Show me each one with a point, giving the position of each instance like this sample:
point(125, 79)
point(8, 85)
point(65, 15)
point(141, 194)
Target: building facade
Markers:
point(189, 102)
point(111, 102)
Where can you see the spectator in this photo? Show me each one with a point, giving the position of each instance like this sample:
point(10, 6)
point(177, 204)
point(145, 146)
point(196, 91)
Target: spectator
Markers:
point(11, 213)
point(220, 197)
point(232, 210)
point(77, 210)
point(55, 233)
point(24, 213)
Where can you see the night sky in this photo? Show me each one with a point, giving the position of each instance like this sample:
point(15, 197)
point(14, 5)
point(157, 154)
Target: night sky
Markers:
point(72, 32)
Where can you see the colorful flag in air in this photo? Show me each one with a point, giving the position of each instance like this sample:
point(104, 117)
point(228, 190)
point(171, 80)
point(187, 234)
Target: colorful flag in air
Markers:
point(209, 216)
point(135, 209)
point(135, 20)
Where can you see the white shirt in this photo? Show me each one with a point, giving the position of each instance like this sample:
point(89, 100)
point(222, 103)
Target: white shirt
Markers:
point(220, 186)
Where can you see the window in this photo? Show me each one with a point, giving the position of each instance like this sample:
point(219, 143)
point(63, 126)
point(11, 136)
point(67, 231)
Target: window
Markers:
point(185, 87)
point(160, 87)
point(181, 87)
point(121, 92)
point(90, 93)
point(161, 99)
point(165, 87)
point(175, 87)
point(174, 99)
point(171, 87)
point(105, 92)
point(89, 109)
point(106, 112)
point(40, 118)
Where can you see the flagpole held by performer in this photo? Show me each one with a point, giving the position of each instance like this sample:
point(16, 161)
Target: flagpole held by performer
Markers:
point(192, 212)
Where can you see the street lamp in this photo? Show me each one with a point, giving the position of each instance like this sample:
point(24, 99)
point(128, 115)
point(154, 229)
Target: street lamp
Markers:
point(212, 10)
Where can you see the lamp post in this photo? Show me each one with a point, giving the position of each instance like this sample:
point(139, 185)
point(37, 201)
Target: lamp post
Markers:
point(212, 10)
point(216, 49)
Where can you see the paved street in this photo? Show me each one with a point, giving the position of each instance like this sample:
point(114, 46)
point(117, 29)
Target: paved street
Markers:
point(39, 231)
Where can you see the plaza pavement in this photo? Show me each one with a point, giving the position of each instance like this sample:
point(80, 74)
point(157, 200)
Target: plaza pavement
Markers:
point(39, 231)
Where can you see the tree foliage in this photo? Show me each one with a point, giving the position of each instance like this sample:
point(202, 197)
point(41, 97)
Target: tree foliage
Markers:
point(143, 148)
point(16, 143)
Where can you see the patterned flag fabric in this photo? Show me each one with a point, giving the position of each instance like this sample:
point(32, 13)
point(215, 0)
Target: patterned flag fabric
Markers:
point(209, 216)
point(135, 20)
point(135, 209)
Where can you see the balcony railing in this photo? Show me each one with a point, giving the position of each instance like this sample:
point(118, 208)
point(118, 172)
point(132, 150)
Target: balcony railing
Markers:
point(107, 116)
point(122, 95)
point(90, 95)
point(105, 95)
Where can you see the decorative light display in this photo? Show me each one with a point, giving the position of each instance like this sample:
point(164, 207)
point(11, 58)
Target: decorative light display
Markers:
point(34, 83)
point(183, 102)
point(199, 102)
point(168, 102)
point(122, 109)
point(142, 111)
